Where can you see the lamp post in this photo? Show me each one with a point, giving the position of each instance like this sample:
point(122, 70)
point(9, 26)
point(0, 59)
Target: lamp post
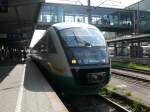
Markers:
point(89, 11)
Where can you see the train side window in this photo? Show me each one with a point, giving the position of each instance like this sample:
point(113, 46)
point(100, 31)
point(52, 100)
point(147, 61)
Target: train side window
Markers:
point(51, 46)
point(42, 43)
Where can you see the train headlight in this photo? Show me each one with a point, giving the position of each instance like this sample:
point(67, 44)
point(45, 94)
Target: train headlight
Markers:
point(73, 61)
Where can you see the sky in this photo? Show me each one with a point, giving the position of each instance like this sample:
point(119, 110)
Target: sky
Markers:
point(100, 3)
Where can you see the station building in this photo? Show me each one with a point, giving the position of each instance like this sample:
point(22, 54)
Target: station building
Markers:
point(22, 18)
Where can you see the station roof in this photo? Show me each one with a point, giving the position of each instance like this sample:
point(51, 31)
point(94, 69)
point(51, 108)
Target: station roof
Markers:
point(17, 24)
point(21, 16)
point(133, 38)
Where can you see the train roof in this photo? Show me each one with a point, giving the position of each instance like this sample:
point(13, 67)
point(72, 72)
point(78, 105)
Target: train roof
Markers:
point(61, 26)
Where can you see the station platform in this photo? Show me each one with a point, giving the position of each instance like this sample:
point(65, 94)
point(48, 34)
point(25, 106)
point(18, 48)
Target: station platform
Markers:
point(24, 89)
point(132, 74)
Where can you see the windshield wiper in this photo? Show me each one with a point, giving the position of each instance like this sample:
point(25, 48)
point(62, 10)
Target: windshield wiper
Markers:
point(88, 44)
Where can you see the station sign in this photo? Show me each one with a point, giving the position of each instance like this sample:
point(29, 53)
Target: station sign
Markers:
point(14, 36)
point(19, 36)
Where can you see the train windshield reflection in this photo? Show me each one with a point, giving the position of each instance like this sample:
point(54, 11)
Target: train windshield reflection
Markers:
point(80, 37)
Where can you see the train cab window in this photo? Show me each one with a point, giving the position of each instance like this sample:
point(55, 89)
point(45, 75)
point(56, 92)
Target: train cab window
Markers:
point(51, 46)
point(43, 46)
point(82, 37)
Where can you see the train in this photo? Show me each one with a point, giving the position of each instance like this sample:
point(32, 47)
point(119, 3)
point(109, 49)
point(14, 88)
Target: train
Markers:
point(75, 57)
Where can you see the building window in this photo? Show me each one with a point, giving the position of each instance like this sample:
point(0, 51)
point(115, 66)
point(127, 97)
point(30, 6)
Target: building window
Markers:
point(48, 14)
point(79, 19)
point(69, 19)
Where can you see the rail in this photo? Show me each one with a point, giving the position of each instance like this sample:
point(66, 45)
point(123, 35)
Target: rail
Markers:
point(126, 74)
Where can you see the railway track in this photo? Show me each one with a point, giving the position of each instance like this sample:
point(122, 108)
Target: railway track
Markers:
point(125, 103)
point(140, 79)
point(105, 103)
point(115, 106)
point(95, 103)
point(114, 102)
point(109, 103)
point(146, 72)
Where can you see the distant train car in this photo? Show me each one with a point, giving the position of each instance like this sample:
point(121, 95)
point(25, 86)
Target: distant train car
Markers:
point(75, 56)
point(146, 51)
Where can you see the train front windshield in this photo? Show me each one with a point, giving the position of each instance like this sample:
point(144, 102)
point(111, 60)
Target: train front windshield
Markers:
point(84, 46)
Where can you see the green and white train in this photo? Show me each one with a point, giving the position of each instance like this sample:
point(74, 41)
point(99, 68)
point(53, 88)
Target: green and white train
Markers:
point(75, 56)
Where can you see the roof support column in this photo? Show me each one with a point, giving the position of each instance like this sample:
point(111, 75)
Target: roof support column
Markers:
point(18, 19)
point(131, 49)
point(139, 50)
point(115, 48)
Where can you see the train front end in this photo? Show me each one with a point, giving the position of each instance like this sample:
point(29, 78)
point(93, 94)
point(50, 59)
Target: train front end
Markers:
point(87, 54)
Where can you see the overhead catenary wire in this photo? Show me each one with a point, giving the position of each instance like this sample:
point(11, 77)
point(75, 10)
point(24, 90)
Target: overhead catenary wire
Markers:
point(109, 4)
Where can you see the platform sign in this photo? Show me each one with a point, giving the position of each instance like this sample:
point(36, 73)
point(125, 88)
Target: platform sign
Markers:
point(18, 36)
point(14, 36)
point(3, 6)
